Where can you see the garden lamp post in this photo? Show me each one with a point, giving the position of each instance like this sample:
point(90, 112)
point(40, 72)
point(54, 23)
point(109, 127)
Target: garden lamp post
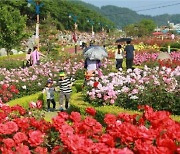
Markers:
point(92, 26)
point(101, 26)
point(37, 5)
point(75, 27)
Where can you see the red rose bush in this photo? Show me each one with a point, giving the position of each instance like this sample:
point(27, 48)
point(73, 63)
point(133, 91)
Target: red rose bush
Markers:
point(153, 132)
point(7, 92)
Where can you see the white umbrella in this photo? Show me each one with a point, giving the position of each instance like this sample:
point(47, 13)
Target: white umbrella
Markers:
point(95, 53)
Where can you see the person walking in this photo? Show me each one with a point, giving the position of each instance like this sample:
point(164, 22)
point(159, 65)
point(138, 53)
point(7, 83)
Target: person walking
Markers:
point(49, 90)
point(65, 84)
point(119, 57)
point(130, 53)
point(28, 58)
point(35, 56)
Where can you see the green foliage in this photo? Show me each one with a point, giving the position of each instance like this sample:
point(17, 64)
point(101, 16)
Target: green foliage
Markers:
point(78, 85)
point(124, 16)
point(12, 27)
point(143, 28)
point(58, 11)
point(12, 61)
point(175, 46)
point(154, 96)
point(77, 104)
point(24, 101)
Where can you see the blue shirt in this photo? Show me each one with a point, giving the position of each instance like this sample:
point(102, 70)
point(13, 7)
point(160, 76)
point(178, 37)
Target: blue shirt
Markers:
point(129, 51)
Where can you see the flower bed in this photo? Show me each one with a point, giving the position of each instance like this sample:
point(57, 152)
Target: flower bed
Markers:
point(33, 79)
point(152, 132)
point(151, 58)
point(155, 87)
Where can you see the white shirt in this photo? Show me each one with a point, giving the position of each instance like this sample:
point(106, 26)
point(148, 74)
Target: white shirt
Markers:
point(49, 92)
point(119, 56)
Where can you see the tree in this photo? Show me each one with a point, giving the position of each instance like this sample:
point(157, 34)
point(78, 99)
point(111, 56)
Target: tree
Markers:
point(148, 24)
point(143, 28)
point(12, 26)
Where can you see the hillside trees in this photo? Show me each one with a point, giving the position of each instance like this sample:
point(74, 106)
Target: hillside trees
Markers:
point(12, 26)
point(143, 28)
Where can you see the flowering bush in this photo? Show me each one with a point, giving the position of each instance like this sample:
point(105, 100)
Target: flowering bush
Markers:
point(33, 79)
point(157, 87)
point(35, 105)
point(7, 92)
point(151, 58)
point(152, 132)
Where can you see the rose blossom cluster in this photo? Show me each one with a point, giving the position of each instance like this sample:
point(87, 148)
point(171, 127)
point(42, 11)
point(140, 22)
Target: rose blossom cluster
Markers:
point(152, 132)
point(141, 58)
point(131, 84)
point(7, 92)
point(37, 76)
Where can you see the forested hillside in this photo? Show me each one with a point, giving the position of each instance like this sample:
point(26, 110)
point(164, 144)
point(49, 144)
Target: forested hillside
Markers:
point(124, 16)
point(59, 11)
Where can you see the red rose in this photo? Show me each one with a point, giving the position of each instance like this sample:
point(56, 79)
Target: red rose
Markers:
point(95, 84)
point(41, 150)
point(12, 127)
point(8, 142)
point(107, 139)
point(5, 99)
point(4, 86)
point(12, 87)
point(22, 149)
point(20, 137)
point(63, 115)
point(56, 150)
point(16, 91)
point(9, 95)
point(35, 138)
point(110, 119)
point(75, 116)
point(91, 111)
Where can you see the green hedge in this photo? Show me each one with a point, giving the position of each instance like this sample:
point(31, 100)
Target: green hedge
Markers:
point(77, 104)
point(24, 101)
point(12, 61)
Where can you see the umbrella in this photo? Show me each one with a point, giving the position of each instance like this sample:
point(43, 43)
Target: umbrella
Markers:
point(95, 53)
point(123, 40)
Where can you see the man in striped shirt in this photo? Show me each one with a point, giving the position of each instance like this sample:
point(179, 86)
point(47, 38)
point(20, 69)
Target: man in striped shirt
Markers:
point(65, 84)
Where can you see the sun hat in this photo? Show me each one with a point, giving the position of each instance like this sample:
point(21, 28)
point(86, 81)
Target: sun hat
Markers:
point(61, 73)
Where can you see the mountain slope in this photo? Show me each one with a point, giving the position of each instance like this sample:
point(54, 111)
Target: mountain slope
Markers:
point(124, 16)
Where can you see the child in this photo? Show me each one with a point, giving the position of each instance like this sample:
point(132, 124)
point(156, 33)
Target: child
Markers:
point(50, 94)
point(119, 57)
point(65, 84)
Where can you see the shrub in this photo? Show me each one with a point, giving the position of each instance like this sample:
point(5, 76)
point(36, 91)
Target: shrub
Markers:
point(24, 101)
point(157, 87)
point(77, 104)
point(12, 61)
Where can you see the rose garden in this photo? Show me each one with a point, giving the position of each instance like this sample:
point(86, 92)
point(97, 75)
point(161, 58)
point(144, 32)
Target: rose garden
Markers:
point(111, 111)
point(133, 111)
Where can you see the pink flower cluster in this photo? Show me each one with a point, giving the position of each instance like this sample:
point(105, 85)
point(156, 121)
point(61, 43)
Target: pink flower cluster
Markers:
point(131, 84)
point(152, 132)
point(36, 105)
point(141, 58)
